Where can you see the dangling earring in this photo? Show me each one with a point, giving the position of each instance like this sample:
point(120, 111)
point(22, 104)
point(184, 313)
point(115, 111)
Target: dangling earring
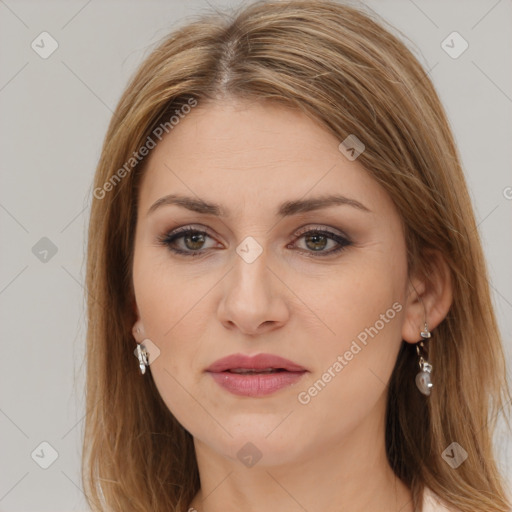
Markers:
point(140, 352)
point(423, 378)
point(142, 356)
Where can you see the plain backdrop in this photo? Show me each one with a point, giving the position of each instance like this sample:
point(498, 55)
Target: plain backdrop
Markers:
point(54, 115)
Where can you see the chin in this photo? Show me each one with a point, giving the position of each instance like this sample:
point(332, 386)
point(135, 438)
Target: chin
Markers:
point(252, 451)
point(255, 443)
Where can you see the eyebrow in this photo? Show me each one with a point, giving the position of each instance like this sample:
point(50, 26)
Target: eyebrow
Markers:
point(286, 209)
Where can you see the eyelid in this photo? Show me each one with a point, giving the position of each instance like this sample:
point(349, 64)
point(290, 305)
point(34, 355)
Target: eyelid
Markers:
point(297, 233)
point(189, 227)
point(334, 234)
point(319, 227)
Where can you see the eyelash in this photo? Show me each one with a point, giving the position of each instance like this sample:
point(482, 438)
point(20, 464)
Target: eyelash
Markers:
point(170, 238)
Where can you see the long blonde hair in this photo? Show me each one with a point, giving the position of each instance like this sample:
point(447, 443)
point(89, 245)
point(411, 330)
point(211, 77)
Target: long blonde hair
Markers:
point(345, 70)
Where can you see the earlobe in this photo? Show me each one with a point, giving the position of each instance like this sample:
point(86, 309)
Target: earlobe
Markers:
point(429, 298)
point(138, 331)
point(138, 327)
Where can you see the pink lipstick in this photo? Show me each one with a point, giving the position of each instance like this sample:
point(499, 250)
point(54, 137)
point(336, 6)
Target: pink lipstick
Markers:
point(255, 376)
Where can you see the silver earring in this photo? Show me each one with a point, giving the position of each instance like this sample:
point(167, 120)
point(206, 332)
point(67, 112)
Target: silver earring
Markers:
point(142, 356)
point(423, 378)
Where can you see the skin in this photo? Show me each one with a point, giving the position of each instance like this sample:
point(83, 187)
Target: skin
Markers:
point(328, 454)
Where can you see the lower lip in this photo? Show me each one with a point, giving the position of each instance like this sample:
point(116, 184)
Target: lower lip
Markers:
point(255, 385)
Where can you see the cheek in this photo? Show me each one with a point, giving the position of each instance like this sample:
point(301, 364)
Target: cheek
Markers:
point(361, 308)
point(353, 296)
point(168, 294)
point(161, 309)
point(173, 308)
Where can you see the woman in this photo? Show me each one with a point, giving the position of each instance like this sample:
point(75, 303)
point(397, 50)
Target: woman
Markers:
point(282, 235)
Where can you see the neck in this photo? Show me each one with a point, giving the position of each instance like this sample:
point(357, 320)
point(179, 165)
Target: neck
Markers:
point(351, 474)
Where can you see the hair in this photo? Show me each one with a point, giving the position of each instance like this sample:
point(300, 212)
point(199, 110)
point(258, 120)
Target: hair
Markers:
point(342, 68)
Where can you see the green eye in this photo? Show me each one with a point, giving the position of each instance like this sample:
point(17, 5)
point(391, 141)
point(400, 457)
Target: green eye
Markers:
point(192, 241)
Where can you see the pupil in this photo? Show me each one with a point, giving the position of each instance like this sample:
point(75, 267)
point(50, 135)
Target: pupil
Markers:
point(197, 238)
point(316, 237)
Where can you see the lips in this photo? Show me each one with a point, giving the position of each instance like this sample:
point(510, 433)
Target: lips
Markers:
point(255, 376)
point(261, 363)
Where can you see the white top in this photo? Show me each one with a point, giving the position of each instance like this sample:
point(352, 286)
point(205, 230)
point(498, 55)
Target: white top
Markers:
point(432, 502)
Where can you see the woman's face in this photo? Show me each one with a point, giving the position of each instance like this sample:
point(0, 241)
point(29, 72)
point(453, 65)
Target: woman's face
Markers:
point(263, 275)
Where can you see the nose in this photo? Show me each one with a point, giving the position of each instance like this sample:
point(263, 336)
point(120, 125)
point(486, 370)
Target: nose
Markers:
point(254, 297)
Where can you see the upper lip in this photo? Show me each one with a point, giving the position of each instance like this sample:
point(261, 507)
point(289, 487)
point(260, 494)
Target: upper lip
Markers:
point(256, 362)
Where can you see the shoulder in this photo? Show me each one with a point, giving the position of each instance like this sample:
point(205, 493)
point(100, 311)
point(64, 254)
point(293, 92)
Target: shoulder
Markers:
point(433, 503)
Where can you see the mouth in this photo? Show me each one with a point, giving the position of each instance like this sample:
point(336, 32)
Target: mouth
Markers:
point(255, 376)
point(248, 371)
point(260, 363)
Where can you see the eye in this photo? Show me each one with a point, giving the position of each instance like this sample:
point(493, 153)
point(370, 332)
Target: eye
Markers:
point(316, 240)
point(192, 241)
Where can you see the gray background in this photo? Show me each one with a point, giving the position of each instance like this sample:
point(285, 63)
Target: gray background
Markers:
point(54, 115)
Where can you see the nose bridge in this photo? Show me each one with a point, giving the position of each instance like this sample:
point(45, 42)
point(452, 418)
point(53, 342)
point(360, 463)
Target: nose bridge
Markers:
point(253, 252)
point(251, 297)
point(251, 272)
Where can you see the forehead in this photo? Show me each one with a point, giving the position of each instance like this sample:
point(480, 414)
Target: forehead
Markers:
point(241, 155)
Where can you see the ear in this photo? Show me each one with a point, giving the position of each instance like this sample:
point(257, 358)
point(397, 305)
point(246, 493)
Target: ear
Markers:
point(429, 297)
point(138, 327)
point(138, 331)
